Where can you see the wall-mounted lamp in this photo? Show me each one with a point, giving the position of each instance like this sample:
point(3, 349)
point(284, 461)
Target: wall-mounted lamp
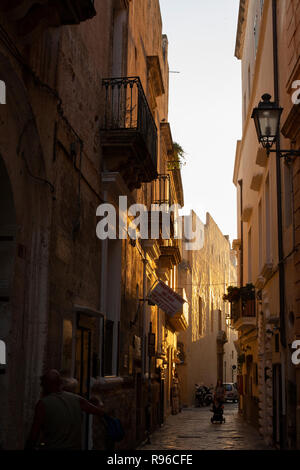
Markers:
point(267, 123)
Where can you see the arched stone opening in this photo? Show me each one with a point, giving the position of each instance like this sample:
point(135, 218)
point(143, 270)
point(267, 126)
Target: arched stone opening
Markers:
point(25, 204)
point(7, 256)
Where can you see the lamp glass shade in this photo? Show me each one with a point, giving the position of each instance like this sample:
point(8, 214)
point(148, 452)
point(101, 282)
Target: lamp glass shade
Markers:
point(267, 121)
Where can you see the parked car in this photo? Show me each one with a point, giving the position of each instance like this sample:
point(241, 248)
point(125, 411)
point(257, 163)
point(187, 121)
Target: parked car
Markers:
point(231, 392)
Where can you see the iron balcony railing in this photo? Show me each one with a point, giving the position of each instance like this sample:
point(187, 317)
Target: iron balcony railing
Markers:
point(243, 309)
point(126, 109)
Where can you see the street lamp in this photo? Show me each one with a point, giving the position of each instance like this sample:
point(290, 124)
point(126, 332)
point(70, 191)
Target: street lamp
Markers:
point(267, 123)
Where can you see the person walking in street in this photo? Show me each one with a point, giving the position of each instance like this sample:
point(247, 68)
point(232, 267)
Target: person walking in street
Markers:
point(219, 393)
point(58, 416)
point(175, 395)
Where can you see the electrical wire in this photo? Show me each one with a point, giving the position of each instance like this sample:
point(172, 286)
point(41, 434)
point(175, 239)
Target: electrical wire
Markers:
point(13, 49)
point(208, 285)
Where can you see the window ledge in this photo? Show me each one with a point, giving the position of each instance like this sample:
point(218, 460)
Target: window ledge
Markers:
point(108, 383)
point(109, 380)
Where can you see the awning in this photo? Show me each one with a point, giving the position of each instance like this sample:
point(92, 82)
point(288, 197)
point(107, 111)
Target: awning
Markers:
point(166, 298)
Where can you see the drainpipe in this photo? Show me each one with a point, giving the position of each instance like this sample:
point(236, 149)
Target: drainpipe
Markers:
point(281, 265)
point(242, 236)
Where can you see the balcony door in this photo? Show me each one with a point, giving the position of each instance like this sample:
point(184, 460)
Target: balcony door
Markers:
point(88, 355)
point(277, 405)
point(120, 19)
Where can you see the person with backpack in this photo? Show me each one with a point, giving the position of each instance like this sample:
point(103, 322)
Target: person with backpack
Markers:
point(107, 430)
point(58, 416)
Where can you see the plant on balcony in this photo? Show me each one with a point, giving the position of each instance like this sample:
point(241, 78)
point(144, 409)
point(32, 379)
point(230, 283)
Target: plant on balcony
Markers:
point(179, 158)
point(234, 294)
point(242, 300)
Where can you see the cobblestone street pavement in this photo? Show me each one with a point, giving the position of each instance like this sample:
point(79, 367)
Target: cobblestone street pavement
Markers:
point(192, 430)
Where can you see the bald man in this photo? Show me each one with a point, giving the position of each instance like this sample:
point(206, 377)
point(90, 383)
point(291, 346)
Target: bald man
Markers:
point(58, 416)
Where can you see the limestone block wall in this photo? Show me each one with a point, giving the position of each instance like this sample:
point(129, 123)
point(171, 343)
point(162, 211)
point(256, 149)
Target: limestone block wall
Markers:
point(211, 272)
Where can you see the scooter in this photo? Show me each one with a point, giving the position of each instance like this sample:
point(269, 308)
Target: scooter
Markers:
point(203, 395)
point(199, 395)
point(209, 396)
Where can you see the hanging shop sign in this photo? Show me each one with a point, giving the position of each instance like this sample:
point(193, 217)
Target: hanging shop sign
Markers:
point(166, 298)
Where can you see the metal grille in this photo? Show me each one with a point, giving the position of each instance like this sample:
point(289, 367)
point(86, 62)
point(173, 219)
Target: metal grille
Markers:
point(126, 108)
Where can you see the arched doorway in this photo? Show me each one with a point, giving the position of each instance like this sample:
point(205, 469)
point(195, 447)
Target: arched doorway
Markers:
point(25, 220)
point(7, 256)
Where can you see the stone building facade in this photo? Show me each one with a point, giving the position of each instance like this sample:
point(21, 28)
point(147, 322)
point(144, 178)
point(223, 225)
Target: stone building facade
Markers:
point(74, 136)
point(208, 342)
point(267, 191)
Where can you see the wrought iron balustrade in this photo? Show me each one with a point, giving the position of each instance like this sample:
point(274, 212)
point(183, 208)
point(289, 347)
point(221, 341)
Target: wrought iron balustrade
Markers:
point(243, 309)
point(126, 109)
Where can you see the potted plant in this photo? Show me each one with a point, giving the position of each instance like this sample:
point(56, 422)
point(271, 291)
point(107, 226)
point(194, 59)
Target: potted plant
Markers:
point(233, 294)
point(179, 158)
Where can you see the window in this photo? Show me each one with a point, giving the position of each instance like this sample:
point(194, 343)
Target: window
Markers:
point(245, 106)
point(87, 342)
point(260, 236)
point(250, 255)
point(219, 320)
point(268, 220)
point(256, 34)
point(119, 22)
point(288, 195)
point(249, 83)
point(200, 310)
point(112, 306)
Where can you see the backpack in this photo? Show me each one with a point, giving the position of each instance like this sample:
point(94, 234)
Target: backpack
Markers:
point(115, 430)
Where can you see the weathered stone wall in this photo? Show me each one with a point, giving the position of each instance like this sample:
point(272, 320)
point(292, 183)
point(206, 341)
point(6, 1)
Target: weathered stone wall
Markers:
point(211, 273)
point(260, 64)
point(58, 261)
point(51, 148)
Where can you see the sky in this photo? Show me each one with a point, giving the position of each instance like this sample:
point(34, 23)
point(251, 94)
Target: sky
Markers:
point(205, 102)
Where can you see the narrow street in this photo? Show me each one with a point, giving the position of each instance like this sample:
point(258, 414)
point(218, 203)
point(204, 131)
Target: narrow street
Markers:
point(191, 429)
point(149, 225)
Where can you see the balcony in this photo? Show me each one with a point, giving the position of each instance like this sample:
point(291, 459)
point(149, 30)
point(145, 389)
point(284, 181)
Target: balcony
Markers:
point(171, 254)
point(243, 314)
point(180, 321)
point(129, 133)
point(161, 222)
point(32, 16)
point(75, 12)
